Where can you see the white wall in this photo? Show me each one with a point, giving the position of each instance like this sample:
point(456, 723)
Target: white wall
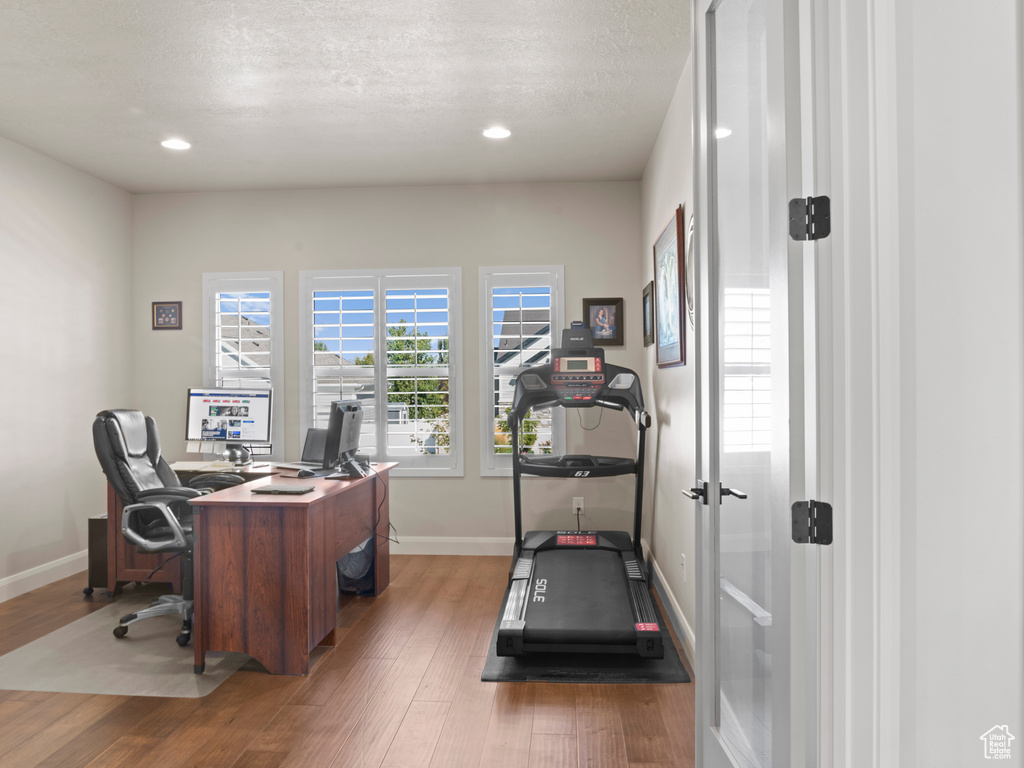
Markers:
point(65, 297)
point(962, 377)
point(667, 183)
point(929, 363)
point(591, 228)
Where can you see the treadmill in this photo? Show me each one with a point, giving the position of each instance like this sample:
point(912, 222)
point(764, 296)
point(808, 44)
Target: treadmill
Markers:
point(578, 591)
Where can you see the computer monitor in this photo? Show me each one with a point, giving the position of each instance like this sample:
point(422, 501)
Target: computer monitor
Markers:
point(343, 428)
point(239, 417)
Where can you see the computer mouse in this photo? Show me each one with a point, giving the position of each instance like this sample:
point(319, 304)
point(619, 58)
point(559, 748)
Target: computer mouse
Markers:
point(306, 473)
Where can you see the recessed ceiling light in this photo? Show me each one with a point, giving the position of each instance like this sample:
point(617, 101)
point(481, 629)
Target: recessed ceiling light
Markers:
point(497, 132)
point(175, 144)
point(721, 133)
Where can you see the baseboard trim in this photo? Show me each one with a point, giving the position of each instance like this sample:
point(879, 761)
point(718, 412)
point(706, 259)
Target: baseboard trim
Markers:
point(453, 545)
point(675, 614)
point(41, 575)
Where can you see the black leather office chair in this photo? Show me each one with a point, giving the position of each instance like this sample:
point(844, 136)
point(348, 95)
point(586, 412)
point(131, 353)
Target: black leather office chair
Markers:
point(156, 515)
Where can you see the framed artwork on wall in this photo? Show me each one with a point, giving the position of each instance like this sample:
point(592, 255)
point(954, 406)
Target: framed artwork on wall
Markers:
point(668, 277)
point(605, 319)
point(649, 314)
point(166, 315)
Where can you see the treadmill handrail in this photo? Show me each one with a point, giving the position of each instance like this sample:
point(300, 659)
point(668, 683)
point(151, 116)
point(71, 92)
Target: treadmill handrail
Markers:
point(537, 392)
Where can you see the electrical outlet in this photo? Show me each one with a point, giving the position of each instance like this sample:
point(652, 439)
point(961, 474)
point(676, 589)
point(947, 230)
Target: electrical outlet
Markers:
point(682, 563)
point(577, 505)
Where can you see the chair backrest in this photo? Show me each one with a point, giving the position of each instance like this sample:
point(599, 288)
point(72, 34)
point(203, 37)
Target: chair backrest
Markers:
point(128, 446)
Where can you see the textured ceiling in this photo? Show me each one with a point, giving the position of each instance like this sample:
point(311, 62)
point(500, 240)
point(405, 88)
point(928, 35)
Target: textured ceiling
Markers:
point(278, 94)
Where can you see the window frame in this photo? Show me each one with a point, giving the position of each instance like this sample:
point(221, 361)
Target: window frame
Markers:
point(241, 282)
point(380, 281)
point(496, 464)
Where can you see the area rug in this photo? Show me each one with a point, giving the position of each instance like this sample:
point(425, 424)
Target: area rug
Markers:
point(85, 657)
point(582, 667)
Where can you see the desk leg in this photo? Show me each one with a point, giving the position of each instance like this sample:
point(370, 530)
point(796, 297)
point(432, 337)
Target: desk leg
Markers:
point(113, 521)
point(330, 639)
point(198, 603)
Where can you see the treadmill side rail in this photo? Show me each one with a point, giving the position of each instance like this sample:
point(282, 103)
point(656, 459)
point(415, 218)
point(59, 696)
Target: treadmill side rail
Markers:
point(513, 621)
point(649, 640)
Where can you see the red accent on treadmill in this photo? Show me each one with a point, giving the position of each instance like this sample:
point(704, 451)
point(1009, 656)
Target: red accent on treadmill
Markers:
point(649, 627)
point(577, 541)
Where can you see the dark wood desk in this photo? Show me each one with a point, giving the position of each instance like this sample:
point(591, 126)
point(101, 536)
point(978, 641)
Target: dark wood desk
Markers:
point(265, 576)
point(125, 563)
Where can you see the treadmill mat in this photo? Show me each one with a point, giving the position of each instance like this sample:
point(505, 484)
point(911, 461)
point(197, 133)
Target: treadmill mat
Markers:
point(582, 667)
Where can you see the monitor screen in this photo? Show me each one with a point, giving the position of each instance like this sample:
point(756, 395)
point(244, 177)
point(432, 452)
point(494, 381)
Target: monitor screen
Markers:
point(343, 429)
point(229, 415)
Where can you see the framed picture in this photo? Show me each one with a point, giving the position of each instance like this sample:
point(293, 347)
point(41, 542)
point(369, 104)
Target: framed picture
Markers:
point(605, 320)
point(649, 314)
point(166, 315)
point(668, 276)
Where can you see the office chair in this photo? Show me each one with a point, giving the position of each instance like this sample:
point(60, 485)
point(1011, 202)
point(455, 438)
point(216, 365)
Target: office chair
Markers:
point(156, 515)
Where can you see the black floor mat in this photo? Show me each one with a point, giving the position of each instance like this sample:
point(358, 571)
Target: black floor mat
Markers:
point(582, 667)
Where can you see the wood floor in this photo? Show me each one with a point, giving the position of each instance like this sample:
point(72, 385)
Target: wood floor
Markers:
point(401, 689)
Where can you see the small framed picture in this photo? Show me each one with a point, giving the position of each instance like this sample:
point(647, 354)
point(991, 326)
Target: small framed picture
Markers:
point(606, 321)
point(166, 315)
point(649, 314)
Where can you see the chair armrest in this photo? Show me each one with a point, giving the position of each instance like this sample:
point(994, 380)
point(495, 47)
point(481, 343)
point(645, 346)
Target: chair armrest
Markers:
point(167, 495)
point(214, 482)
point(178, 542)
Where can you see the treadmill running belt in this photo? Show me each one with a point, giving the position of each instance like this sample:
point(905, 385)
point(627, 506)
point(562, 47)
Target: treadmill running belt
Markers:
point(584, 599)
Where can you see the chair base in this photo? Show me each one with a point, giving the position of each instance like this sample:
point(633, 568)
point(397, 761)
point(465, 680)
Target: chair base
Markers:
point(163, 606)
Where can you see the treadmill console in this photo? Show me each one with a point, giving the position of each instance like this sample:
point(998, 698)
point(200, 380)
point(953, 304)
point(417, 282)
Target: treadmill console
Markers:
point(577, 375)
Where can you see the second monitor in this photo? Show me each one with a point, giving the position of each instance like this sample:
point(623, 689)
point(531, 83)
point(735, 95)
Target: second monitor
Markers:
point(342, 443)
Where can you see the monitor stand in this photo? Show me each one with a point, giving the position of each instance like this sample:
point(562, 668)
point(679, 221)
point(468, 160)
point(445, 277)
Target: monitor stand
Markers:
point(238, 454)
point(351, 467)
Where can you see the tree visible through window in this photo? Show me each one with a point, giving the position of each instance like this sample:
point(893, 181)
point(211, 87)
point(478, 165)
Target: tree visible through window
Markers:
point(420, 399)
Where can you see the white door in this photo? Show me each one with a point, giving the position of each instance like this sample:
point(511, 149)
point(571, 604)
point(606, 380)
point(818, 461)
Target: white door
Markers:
point(756, 667)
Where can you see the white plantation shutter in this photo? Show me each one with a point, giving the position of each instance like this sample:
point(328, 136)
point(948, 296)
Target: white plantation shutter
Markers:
point(388, 339)
point(242, 337)
point(522, 309)
point(417, 372)
point(747, 399)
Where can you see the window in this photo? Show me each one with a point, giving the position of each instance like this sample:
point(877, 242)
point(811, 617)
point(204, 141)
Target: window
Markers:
point(522, 310)
point(747, 382)
point(242, 337)
point(389, 339)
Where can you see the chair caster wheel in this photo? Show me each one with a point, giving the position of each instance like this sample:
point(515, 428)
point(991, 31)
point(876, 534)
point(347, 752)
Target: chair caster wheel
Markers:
point(183, 640)
point(87, 591)
point(120, 631)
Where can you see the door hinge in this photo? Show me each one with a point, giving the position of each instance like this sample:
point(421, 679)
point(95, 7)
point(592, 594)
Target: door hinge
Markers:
point(809, 218)
point(812, 522)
